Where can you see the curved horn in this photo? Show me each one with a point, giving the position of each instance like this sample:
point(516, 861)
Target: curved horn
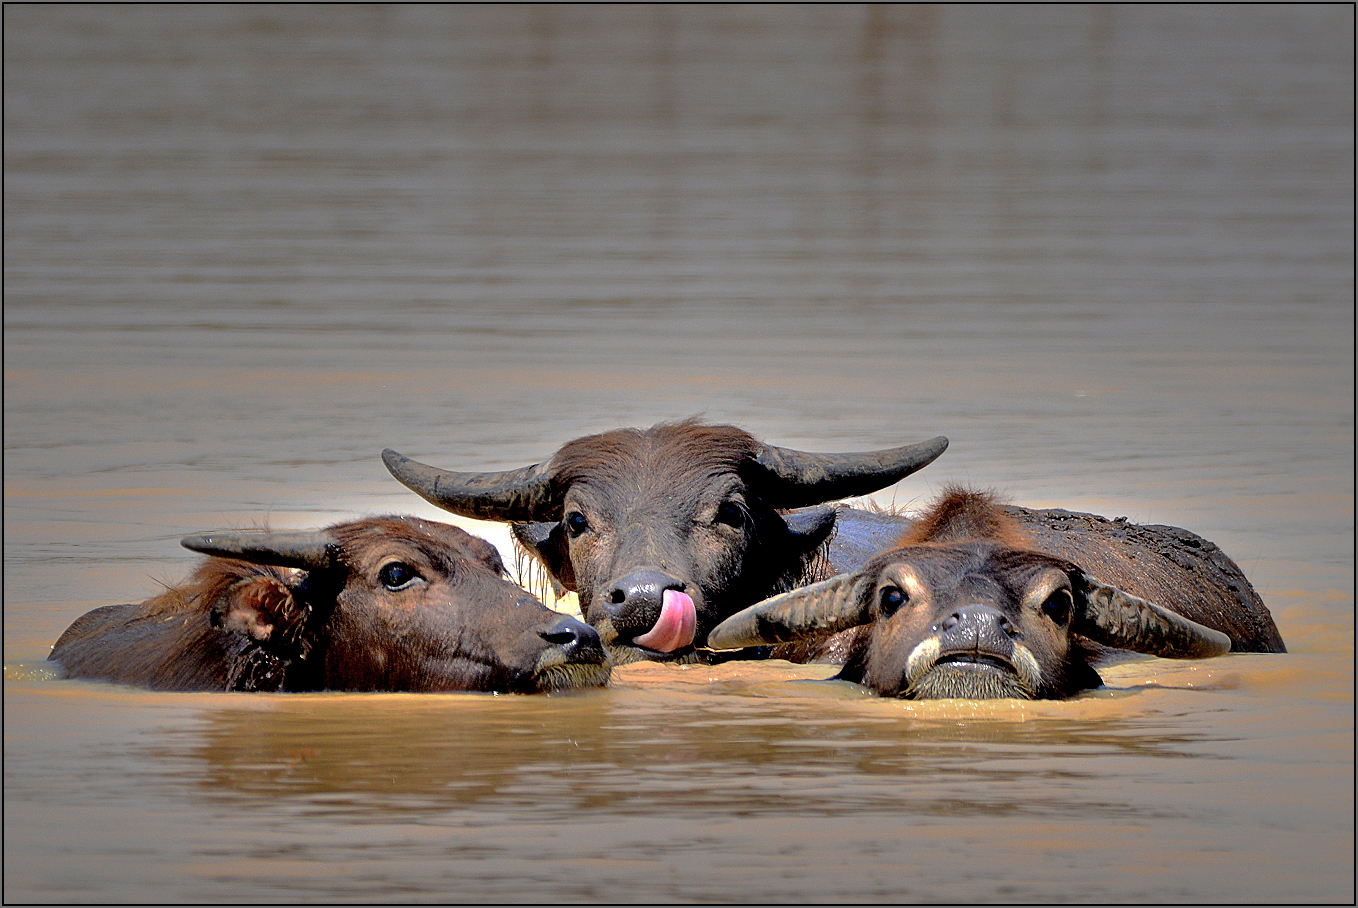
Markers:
point(805, 478)
point(1121, 620)
point(310, 551)
point(817, 610)
point(518, 496)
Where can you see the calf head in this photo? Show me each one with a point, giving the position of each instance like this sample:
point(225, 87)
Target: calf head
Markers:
point(664, 532)
point(971, 619)
point(393, 603)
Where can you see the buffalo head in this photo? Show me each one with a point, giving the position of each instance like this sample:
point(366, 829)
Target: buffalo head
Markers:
point(389, 603)
point(966, 616)
point(663, 532)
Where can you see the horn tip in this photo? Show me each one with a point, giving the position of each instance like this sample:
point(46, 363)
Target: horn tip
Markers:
point(1219, 644)
point(198, 542)
point(721, 639)
point(935, 447)
point(928, 451)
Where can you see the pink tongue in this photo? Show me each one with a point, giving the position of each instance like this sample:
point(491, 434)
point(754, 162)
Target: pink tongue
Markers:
point(674, 628)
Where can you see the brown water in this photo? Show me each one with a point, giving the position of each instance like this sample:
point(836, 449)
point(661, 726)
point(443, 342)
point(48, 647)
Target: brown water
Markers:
point(1107, 251)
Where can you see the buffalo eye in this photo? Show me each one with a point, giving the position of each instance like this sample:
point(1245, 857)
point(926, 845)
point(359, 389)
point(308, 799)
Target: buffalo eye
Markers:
point(1058, 606)
point(575, 523)
point(892, 598)
point(397, 575)
point(731, 514)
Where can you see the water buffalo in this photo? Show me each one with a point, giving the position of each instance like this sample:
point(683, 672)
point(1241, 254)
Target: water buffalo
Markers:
point(965, 606)
point(1152, 561)
point(384, 603)
point(663, 532)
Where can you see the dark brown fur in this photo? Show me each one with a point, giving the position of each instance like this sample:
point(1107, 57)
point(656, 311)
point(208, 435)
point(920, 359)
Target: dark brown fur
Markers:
point(962, 514)
point(968, 560)
point(169, 642)
point(652, 500)
point(957, 515)
point(683, 455)
point(1164, 564)
point(970, 537)
point(1167, 565)
point(235, 625)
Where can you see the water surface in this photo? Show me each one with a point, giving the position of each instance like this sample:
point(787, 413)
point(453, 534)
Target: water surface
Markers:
point(1108, 251)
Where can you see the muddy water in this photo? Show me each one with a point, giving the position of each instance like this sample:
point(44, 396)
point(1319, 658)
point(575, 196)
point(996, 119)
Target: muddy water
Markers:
point(1107, 251)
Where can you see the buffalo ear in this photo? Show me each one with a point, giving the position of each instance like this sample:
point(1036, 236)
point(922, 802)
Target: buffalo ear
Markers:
point(810, 527)
point(267, 611)
point(547, 542)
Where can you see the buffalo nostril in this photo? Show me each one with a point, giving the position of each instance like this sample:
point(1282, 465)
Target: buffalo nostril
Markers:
point(980, 619)
point(636, 600)
point(979, 615)
point(572, 635)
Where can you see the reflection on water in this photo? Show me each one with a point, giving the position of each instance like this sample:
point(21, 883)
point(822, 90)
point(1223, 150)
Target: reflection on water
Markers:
point(1107, 250)
point(489, 755)
point(572, 796)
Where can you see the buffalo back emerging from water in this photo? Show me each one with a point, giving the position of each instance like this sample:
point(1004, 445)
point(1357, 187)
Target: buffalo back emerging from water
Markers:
point(385, 603)
point(964, 606)
point(663, 532)
point(1151, 561)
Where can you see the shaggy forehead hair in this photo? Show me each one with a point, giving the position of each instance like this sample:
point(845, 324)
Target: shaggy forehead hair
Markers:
point(963, 515)
point(664, 452)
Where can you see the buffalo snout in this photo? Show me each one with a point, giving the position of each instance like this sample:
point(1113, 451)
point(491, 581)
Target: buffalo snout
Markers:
point(578, 641)
point(977, 627)
point(652, 608)
point(634, 601)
